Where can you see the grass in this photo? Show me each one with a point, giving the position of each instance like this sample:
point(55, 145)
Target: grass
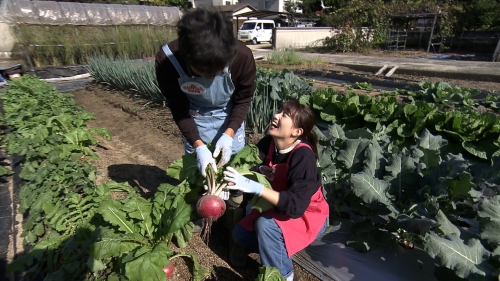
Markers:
point(72, 45)
point(290, 57)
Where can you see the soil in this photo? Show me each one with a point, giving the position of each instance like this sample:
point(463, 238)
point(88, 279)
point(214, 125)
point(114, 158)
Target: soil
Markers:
point(146, 140)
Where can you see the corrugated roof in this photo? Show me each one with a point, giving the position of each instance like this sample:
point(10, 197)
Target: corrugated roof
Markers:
point(254, 13)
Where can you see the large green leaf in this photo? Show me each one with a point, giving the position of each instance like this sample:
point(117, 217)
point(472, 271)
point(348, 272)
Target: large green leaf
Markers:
point(445, 225)
point(112, 244)
point(402, 172)
point(381, 110)
point(181, 217)
point(352, 154)
point(489, 219)
point(199, 272)
point(336, 132)
point(184, 168)
point(483, 148)
point(112, 212)
point(326, 165)
point(375, 161)
point(149, 265)
point(369, 188)
point(245, 159)
point(487, 174)
point(460, 187)
point(140, 208)
point(464, 259)
point(267, 273)
point(184, 235)
point(428, 141)
point(359, 133)
point(258, 202)
point(95, 265)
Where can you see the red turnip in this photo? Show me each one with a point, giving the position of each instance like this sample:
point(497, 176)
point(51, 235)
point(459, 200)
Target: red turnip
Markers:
point(169, 270)
point(210, 206)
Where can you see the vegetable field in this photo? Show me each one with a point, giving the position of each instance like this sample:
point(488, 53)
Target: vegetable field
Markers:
point(413, 168)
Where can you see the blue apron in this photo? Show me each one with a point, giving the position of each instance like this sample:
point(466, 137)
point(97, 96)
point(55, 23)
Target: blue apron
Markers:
point(210, 104)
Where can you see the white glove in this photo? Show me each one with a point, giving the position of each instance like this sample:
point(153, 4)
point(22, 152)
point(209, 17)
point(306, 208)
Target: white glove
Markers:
point(204, 158)
point(242, 183)
point(224, 145)
point(224, 194)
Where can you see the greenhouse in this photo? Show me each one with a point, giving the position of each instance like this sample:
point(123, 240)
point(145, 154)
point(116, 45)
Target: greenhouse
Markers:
point(26, 24)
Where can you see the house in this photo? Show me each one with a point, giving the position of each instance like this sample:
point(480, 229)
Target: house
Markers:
point(241, 12)
point(261, 5)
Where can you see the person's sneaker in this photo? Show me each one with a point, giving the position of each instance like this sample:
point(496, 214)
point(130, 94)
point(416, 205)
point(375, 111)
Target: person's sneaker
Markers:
point(290, 277)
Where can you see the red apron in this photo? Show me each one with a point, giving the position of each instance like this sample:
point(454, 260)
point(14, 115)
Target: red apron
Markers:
point(300, 232)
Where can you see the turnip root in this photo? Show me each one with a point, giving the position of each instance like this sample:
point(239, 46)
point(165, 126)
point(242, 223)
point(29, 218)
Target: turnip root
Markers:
point(210, 206)
point(169, 270)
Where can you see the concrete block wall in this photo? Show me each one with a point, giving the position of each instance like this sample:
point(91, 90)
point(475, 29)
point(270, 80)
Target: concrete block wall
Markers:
point(300, 37)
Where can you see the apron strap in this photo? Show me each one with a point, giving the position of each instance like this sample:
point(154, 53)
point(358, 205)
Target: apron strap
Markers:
point(269, 155)
point(173, 60)
point(300, 144)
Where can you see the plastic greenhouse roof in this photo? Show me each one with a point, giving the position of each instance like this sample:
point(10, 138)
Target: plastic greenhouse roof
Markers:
point(72, 13)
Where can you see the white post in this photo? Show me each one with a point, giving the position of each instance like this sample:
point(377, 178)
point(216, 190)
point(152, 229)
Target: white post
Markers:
point(496, 54)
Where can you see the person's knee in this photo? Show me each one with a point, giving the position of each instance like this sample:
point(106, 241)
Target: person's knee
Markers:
point(264, 224)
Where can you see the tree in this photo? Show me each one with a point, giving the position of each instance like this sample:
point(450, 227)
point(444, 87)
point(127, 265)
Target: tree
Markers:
point(480, 14)
point(290, 8)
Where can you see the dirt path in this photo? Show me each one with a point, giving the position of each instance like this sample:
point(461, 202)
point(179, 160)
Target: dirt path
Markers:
point(139, 151)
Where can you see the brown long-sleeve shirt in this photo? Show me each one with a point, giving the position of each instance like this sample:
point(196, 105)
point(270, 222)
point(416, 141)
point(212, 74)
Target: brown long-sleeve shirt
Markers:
point(242, 70)
point(303, 178)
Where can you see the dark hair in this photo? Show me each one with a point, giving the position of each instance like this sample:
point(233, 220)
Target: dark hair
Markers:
point(206, 39)
point(303, 118)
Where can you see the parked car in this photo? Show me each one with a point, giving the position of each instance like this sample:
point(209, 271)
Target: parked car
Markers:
point(256, 31)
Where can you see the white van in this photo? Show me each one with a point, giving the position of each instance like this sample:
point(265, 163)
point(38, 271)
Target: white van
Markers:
point(256, 31)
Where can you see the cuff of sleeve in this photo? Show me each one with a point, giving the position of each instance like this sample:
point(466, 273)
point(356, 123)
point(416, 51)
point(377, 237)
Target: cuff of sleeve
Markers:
point(234, 125)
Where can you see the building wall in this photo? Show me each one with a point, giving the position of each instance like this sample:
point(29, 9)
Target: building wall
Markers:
point(266, 5)
point(202, 3)
point(210, 3)
point(253, 3)
point(300, 37)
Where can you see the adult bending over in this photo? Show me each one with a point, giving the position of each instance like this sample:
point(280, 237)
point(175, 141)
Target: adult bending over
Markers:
point(207, 78)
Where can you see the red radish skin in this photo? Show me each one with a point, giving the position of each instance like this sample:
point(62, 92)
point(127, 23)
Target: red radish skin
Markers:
point(209, 208)
point(169, 270)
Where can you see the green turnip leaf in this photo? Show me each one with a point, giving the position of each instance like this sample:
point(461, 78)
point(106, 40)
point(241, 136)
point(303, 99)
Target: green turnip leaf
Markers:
point(149, 265)
point(111, 212)
point(112, 244)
